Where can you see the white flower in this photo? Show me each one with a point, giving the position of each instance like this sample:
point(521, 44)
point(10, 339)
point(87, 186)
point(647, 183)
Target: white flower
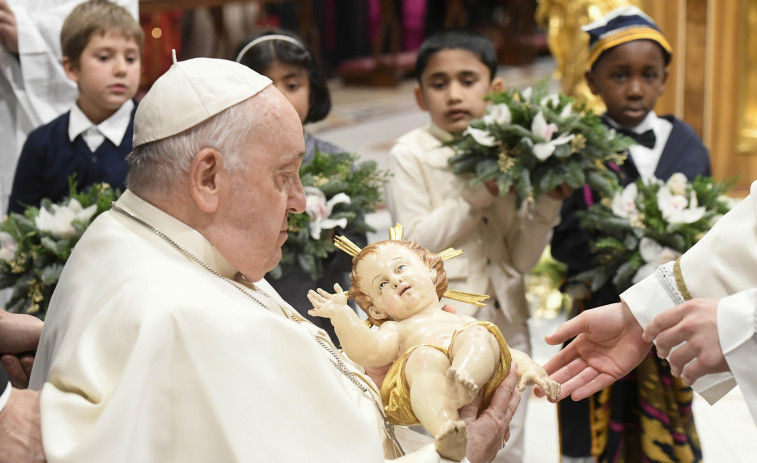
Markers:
point(498, 114)
point(677, 209)
point(482, 137)
point(624, 203)
point(540, 128)
point(59, 222)
point(677, 183)
point(526, 94)
point(319, 210)
point(554, 99)
point(654, 254)
point(8, 247)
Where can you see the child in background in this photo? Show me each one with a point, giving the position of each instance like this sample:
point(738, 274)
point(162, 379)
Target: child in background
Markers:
point(439, 209)
point(283, 58)
point(102, 47)
point(647, 415)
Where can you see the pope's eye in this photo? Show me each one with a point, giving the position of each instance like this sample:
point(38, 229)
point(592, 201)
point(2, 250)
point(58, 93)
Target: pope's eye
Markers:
point(401, 267)
point(381, 286)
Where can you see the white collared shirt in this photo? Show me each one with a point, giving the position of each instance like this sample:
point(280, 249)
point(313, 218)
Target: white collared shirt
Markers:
point(112, 128)
point(644, 158)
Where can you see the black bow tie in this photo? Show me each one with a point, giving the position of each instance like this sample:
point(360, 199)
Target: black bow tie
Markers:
point(647, 138)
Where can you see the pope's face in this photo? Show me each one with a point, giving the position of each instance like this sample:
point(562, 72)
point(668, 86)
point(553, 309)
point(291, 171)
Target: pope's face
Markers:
point(257, 200)
point(397, 281)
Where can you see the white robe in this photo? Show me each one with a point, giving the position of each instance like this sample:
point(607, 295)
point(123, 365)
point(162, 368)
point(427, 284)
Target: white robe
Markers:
point(148, 357)
point(722, 265)
point(34, 88)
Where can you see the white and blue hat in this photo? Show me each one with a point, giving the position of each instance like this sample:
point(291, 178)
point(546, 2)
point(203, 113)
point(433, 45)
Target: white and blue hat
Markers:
point(620, 26)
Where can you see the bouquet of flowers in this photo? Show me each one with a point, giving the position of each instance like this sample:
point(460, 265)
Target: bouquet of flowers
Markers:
point(35, 245)
point(533, 142)
point(339, 193)
point(648, 224)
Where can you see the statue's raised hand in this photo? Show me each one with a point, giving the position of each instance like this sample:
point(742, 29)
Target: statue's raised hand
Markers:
point(328, 305)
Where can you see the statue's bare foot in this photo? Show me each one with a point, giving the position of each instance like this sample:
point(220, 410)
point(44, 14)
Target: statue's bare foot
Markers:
point(461, 386)
point(452, 439)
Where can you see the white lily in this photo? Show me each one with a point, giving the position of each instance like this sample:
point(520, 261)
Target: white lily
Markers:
point(677, 183)
point(526, 93)
point(498, 114)
point(540, 127)
point(482, 137)
point(553, 98)
point(59, 222)
point(319, 209)
point(624, 203)
point(677, 209)
point(654, 254)
point(8, 247)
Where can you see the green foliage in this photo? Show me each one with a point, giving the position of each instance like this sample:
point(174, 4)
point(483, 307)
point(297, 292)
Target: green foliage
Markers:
point(332, 174)
point(510, 160)
point(618, 232)
point(33, 256)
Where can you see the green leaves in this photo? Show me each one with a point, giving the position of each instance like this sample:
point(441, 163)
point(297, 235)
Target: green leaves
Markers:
point(512, 162)
point(40, 255)
point(332, 174)
point(618, 236)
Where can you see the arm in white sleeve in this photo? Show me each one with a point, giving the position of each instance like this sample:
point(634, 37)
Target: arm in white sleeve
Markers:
point(737, 328)
point(409, 202)
point(526, 241)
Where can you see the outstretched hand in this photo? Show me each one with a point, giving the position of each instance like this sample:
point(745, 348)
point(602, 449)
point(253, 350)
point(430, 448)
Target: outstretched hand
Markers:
point(693, 326)
point(489, 429)
point(327, 305)
point(608, 344)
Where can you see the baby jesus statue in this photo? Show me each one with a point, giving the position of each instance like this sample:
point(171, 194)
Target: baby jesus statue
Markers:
point(440, 360)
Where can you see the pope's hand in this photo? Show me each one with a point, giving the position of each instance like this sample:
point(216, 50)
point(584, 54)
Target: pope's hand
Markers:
point(489, 429)
point(20, 429)
point(19, 335)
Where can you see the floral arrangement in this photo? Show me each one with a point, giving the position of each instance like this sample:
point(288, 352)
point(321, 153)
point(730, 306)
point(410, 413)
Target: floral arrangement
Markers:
point(648, 224)
point(339, 192)
point(35, 245)
point(533, 141)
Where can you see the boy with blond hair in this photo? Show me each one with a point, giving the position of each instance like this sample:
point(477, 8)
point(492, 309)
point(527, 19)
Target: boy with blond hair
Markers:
point(439, 209)
point(102, 47)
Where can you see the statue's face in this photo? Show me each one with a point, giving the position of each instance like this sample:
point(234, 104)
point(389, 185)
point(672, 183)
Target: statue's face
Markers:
point(397, 281)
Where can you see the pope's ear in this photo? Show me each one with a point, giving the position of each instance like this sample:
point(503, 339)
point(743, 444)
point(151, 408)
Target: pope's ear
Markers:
point(376, 313)
point(204, 179)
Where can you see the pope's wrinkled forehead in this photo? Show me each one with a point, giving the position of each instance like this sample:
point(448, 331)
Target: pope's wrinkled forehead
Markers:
point(191, 92)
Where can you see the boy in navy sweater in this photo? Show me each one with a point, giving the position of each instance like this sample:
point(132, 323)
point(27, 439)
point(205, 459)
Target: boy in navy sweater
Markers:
point(102, 47)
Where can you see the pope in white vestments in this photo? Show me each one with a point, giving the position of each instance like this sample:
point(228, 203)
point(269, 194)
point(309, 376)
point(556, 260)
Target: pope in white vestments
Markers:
point(159, 345)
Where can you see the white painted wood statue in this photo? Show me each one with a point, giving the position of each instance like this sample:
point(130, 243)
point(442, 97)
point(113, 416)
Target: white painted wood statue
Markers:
point(440, 360)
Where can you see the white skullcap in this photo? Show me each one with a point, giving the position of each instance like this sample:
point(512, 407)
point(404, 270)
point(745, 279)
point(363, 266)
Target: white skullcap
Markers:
point(191, 92)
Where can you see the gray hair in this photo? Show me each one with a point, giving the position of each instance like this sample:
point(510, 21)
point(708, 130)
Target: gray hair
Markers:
point(155, 167)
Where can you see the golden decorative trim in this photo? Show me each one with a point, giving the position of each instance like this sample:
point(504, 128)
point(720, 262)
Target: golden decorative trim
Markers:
point(679, 280)
point(344, 244)
point(395, 233)
point(450, 253)
point(625, 36)
point(468, 298)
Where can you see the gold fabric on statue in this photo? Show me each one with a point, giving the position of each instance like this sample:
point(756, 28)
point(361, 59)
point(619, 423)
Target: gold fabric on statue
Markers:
point(395, 392)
